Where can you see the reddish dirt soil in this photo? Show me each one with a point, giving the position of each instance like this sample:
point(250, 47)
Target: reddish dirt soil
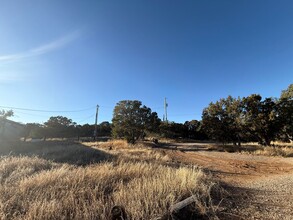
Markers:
point(258, 187)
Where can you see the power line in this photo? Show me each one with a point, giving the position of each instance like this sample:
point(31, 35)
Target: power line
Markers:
point(39, 110)
point(157, 108)
point(43, 116)
point(46, 116)
point(25, 113)
point(185, 114)
point(106, 107)
point(91, 116)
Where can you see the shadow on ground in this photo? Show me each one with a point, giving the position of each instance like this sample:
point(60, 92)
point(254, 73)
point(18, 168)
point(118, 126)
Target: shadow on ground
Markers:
point(238, 203)
point(180, 147)
point(207, 147)
point(58, 151)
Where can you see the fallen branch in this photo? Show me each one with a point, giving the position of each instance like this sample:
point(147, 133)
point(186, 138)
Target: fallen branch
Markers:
point(180, 205)
point(119, 213)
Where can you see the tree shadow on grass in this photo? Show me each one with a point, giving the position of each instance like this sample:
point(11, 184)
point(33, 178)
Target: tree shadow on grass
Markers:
point(70, 152)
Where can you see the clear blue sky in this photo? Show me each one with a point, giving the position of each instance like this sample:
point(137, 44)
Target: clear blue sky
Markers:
point(74, 54)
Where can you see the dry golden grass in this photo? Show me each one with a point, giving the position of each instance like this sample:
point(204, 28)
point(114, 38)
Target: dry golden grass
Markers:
point(114, 144)
point(142, 151)
point(274, 151)
point(284, 144)
point(138, 179)
point(280, 149)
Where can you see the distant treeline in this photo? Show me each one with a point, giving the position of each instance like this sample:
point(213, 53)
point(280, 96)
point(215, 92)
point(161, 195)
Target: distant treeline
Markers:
point(250, 119)
point(62, 127)
point(228, 120)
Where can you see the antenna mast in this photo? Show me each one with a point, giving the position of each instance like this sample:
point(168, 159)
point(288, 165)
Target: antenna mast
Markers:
point(165, 106)
point(96, 123)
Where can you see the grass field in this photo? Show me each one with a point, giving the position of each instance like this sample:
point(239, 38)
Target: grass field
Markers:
point(63, 180)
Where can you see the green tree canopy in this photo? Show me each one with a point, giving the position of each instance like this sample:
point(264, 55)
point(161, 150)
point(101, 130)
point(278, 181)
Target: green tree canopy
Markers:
point(173, 130)
point(131, 120)
point(59, 126)
point(86, 130)
point(104, 129)
point(222, 120)
point(34, 130)
point(288, 93)
point(261, 118)
point(250, 118)
point(285, 113)
point(6, 114)
point(195, 130)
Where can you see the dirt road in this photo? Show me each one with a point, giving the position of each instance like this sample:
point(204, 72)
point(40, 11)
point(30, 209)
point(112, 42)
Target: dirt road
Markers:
point(259, 187)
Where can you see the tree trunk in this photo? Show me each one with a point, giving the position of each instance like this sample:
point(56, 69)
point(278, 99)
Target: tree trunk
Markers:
point(267, 142)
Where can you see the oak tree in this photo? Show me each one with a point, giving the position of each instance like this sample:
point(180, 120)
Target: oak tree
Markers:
point(131, 120)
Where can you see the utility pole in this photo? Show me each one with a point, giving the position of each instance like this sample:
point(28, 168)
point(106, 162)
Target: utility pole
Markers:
point(96, 123)
point(165, 106)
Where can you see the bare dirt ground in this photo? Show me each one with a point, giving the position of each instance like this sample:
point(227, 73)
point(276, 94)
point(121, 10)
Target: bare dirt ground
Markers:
point(259, 187)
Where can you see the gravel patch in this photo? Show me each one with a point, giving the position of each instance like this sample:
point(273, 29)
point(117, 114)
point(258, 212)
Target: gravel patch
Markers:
point(266, 198)
point(273, 197)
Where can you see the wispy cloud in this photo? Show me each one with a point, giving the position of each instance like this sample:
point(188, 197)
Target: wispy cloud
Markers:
point(46, 48)
point(22, 73)
point(9, 77)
